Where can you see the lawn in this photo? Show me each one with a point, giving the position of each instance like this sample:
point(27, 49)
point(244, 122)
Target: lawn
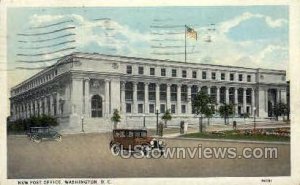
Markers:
point(237, 136)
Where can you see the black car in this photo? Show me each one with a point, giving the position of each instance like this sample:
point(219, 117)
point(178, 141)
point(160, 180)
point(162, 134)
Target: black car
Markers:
point(37, 134)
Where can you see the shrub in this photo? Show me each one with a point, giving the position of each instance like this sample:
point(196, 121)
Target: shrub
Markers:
point(35, 121)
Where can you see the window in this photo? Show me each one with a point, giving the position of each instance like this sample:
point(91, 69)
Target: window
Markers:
point(203, 74)
point(222, 76)
point(163, 92)
point(183, 110)
point(163, 72)
point(152, 93)
point(183, 73)
point(183, 93)
point(174, 72)
point(248, 78)
point(194, 74)
point(129, 70)
point(128, 107)
point(162, 108)
point(152, 71)
point(140, 91)
point(213, 75)
point(128, 91)
point(231, 77)
point(240, 77)
point(141, 70)
point(248, 96)
point(173, 108)
point(151, 108)
point(173, 92)
point(140, 108)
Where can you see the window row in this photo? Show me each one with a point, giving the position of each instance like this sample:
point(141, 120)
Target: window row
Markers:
point(162, 108)
point(204, 74)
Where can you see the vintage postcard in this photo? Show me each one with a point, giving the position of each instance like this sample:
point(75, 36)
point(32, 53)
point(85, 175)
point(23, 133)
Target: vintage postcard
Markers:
point(133, 92)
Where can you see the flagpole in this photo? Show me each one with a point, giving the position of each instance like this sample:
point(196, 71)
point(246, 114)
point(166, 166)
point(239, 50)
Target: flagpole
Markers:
point(185, 43)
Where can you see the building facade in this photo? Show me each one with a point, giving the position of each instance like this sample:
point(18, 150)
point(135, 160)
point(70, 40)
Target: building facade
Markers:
point(83, 89)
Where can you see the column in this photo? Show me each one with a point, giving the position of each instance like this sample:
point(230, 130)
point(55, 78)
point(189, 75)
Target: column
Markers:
point(179, 99)
point(168, 96)
point(107, 97)
point(87, 97)
point(123, 103)
point(115, 100)
point(134, 97)
point(244, 100)
point(36, 107)
point(46, 105)
point(25, 110)
point(226, 95)
point(146, 106)
point(31, 108)
point(208, 90)
point(57, 104)
point(236, 99)
point(41, 105)
point(253, 100)
point(189, 95)
point(157, 97)
point(51, 105)
point(278, 95)
point(283, 96)
point(218, 96)
point(199, 88)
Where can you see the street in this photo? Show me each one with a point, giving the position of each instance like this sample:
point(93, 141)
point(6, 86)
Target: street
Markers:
point(88, 155)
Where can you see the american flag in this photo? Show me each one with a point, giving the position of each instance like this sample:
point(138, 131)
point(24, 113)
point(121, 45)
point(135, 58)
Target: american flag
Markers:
point(191, 33)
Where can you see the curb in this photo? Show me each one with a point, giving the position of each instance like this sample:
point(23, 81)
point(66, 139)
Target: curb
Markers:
point(229, 140)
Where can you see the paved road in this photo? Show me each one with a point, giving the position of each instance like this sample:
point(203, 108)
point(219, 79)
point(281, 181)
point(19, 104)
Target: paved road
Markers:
point(88, 155)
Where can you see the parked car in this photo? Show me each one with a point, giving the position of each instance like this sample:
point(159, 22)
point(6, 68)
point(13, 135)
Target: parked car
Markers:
point(37, 134)
point(135, 140)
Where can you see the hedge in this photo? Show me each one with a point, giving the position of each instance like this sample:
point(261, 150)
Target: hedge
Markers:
point(21, 125)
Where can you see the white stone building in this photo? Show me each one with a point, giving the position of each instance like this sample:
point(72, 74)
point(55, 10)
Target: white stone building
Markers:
point(85, 88)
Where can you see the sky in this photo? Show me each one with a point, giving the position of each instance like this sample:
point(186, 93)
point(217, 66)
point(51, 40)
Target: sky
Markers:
point(250, 36)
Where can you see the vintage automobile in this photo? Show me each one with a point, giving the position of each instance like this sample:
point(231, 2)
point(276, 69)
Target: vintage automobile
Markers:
point(135, 140)
point(37, 134)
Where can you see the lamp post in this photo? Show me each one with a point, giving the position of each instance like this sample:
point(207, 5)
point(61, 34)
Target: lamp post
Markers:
point(157, 113)
point(254, 121)
point(82, 130)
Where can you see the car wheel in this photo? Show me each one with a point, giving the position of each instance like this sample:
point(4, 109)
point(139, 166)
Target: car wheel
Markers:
point(58, 138)
point(37, 139)
point(115, 149)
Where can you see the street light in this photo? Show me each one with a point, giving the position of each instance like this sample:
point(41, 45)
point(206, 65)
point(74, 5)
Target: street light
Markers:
point(254, 114)
point(82, 130)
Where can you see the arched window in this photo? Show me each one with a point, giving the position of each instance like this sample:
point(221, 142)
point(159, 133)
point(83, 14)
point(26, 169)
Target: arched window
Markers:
point(96, 106)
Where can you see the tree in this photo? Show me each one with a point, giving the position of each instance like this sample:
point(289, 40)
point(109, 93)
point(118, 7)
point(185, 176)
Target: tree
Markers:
point(116, 118)
point(166, 117)
point(202, 106)
point(225, 111)
point(210, 113)
point(280, 109)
